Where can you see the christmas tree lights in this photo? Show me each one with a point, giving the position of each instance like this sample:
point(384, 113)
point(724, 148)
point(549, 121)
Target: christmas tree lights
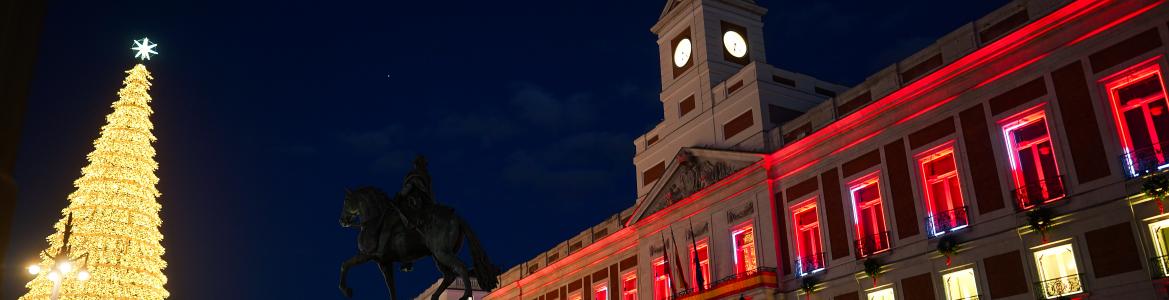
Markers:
point(114, 209)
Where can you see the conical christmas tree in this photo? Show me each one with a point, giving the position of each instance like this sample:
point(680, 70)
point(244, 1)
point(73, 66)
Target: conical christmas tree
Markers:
point(114, 249)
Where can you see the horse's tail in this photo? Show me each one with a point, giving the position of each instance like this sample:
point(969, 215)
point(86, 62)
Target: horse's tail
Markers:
point(484, 271)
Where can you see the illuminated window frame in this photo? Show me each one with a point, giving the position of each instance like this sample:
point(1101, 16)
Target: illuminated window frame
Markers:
point(629, 285)
point(816, 259)
point(601, 291)
point(958, 215)
point(1057, 269)
point(881, 241)
point(1160, 246)
point(881, 293)
point(661, 292)
point(577, 295)
point(1009, 126)
point(703, 244)
point(745, 262)
point(1122, 79)
point(960, 284)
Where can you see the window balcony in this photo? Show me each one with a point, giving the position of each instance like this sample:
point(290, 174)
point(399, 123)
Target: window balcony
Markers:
point(1160, 266)
point(810, 264)
point(872, 244)
point(1144, 161)
point(1039, 192)
point(759, 277)
point(947, 221)
point(1059, 287)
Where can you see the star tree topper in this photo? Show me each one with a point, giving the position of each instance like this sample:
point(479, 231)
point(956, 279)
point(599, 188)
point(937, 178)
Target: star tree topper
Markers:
point(144, 48)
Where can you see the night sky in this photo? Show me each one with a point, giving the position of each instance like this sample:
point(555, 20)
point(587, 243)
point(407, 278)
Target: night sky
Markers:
point(265, 112)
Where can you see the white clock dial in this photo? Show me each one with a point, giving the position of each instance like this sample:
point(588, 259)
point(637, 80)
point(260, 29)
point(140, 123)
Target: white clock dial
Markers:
point(735, 43)
point(682, 52)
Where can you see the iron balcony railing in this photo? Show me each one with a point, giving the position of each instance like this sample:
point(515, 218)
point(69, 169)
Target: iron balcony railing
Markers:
point(1160, 266)
point(1063, 286)
point(941, 222)
point(1039, 192)
point(1143, 161)
point(872, 244)
point(723, 281)
point(808, 264)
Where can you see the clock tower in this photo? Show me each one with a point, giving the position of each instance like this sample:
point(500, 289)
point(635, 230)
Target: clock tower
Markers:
point(717, 89)
point(716, 38)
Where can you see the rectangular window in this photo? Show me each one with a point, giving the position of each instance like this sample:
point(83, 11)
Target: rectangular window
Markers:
point(960, 285)
point(629, 286)
point(946, 211)
point(601, 291)
point(1058, 275)
point(882, 294)
point(1160, 232)
point(701, 251)
point(869, 215)
point(743, 241)
point(1032, 155)
point(1142, 117)
point(661, 279)
point(809, 249)
point(575, 296)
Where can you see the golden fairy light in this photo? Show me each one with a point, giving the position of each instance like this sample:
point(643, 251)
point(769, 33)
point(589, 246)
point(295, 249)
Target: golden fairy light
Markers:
point(114, 209)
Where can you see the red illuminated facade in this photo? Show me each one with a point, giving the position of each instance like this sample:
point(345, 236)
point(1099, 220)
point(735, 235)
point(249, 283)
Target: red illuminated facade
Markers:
point(1011, 159)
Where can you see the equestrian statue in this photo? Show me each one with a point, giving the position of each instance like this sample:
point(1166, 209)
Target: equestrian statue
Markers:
point(408, 227)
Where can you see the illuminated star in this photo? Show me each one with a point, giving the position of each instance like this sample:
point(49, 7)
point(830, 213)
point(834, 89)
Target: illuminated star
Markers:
point(144, 48)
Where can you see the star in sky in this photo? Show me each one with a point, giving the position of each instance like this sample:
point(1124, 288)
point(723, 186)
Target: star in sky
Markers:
point(144, 48)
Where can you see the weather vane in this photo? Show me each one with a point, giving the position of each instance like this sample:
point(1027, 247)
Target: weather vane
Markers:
point(144, 48)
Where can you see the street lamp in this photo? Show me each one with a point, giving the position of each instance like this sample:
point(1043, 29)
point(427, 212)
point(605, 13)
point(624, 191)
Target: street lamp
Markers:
point(63, 264)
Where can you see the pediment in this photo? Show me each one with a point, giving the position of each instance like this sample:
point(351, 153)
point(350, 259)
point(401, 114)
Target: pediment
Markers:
point(691, 171)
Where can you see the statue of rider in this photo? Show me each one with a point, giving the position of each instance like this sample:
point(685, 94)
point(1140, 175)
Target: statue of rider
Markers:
point(416, 193)
point(416, 197)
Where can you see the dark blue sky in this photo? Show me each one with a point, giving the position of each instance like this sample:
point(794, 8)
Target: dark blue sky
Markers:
point(266, 111)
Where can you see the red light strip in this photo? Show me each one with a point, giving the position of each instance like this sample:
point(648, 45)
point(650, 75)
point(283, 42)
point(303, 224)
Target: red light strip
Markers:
point(967, 63)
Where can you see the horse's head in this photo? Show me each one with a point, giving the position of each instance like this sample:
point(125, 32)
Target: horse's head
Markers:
point(350, 209)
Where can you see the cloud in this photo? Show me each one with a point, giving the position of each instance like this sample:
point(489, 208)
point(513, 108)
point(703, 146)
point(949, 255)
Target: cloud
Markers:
point(573, 166)
point(540, 107)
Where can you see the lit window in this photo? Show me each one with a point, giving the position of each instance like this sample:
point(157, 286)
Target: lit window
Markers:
point(1142, 116)
point(1032, 157)
point(629, 286)
point(601, 291)
point(703, 254)
point(809, 249)
point(661, 279)
point(882, 294)
point(743, 241)
point(872, 236)
point(960, 285)
point(1160, 234)
point(1058, 275)
point(575, 296)
point(943, 193)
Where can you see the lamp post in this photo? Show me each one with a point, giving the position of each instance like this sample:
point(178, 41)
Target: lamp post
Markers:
point(63, 264)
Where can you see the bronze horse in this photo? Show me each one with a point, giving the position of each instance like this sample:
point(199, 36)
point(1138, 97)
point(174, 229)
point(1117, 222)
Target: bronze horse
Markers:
point(389, 234)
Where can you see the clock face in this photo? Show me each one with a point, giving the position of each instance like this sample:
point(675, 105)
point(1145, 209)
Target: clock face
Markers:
point(735, 43)
point(682, 52)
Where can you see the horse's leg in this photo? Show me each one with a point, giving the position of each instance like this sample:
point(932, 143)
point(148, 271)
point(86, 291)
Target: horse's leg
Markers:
point(388, 273)
point(451, 261)
point(448, 277)
point(352, 261)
